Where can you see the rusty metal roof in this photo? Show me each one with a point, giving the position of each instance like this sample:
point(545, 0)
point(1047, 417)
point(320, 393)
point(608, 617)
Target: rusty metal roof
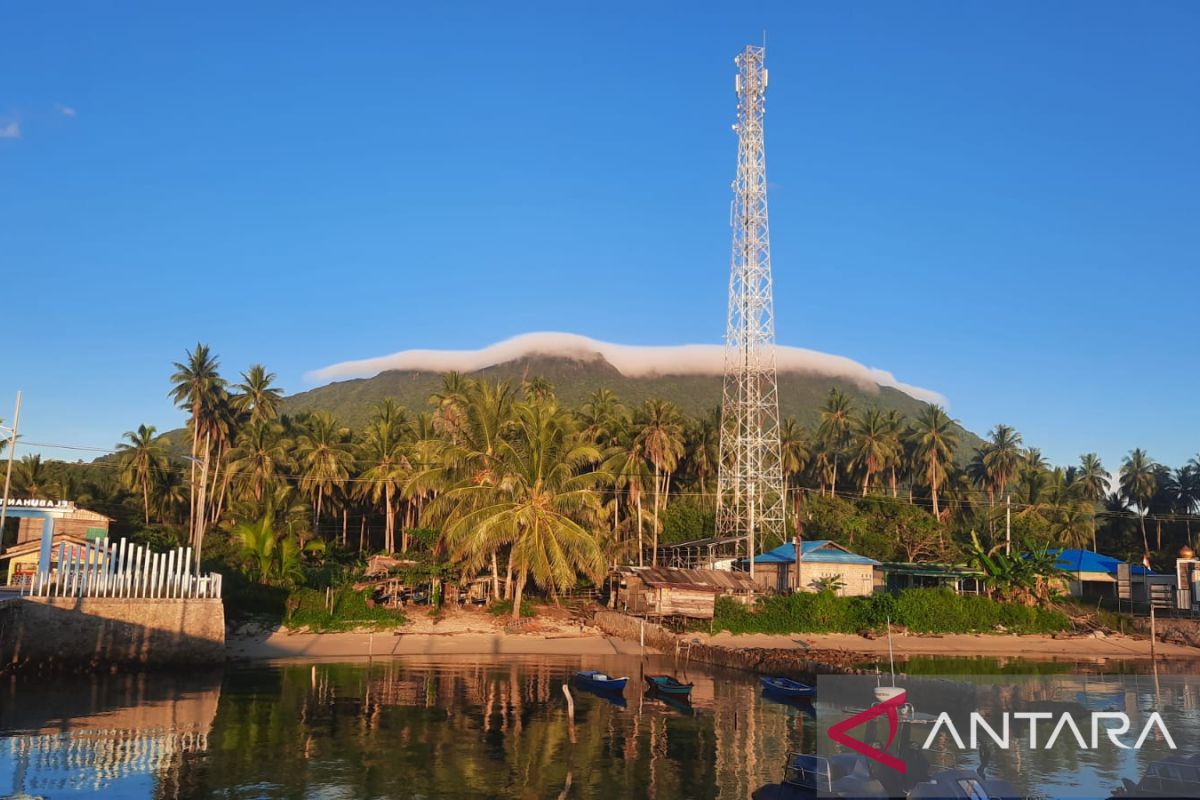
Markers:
point(701, 580)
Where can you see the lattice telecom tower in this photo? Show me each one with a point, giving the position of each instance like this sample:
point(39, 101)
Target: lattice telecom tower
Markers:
point(750, 489)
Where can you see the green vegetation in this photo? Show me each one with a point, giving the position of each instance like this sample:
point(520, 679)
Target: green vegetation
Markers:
point(504, 608)
point(345, 610)
point(540, 492)
point(918, 610)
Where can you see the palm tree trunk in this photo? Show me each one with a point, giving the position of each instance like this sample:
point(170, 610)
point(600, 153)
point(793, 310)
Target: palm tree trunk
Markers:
point(657, 488)
point(516, 608)
point(508, 579)
point(345, 514)
point(1145, 541)
point(146, 495)
point(866, 482)
point(192, 474)
point(933, 482)
point(894, 495)
point(389, 521)
point(495, 577)
point(1158, 532)
point(641, 548)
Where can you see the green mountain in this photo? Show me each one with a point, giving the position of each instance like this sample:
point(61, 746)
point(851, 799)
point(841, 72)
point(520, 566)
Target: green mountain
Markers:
point(800, 394)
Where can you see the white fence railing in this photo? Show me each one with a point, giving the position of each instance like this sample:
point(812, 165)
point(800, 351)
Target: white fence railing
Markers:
point(121, 569)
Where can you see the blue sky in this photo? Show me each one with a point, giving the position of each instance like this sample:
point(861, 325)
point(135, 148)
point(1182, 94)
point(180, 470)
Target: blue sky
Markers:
point(994, 200)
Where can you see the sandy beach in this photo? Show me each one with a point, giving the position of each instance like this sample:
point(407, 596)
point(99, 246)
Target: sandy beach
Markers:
point(964, 645)
point(551, 633)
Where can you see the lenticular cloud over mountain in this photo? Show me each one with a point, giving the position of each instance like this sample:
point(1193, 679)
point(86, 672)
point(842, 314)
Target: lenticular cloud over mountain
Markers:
point(633, 361)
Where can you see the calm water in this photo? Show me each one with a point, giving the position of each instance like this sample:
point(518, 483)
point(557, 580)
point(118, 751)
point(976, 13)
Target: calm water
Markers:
point(479, 727)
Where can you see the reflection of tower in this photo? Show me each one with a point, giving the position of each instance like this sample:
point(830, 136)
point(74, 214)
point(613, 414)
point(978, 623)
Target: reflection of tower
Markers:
point(750, 501)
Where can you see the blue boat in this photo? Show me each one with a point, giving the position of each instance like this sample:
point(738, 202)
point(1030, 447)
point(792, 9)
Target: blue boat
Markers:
point(786, 687)
point(600, 682)
point(665, 684)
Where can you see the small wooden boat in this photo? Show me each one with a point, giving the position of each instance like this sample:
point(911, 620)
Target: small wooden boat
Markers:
point(786, 687)
point(675, 702)
point(665, 684)
point(600, 682)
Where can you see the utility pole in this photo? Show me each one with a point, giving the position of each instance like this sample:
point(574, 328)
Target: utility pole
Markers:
point(12, 449)
point(1007, 524)
point(750, 488)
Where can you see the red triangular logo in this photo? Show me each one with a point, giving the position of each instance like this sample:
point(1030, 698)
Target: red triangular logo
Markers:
point(890, 707)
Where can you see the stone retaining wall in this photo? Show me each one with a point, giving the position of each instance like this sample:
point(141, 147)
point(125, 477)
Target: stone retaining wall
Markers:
point(799, 664)
point(39, 632)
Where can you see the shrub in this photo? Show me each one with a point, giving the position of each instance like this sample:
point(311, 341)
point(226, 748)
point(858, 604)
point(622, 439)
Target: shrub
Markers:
point(919, 610)
point(503, 608)
point(307, 608)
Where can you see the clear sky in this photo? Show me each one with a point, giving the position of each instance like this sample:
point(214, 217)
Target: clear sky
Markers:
point(998, 201)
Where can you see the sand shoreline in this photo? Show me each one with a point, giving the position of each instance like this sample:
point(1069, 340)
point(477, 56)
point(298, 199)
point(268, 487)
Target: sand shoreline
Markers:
point(455, 641)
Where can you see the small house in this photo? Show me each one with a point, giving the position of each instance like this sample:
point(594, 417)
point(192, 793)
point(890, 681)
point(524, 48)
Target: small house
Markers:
point(691, 593)
point(820, 563)
point(895, 577)
point(19, 563)
point(1094, 575)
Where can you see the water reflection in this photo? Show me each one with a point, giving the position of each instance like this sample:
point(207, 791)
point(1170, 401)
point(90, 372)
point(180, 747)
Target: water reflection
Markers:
point(457, 728)
point(111, 734)
point(445, 728)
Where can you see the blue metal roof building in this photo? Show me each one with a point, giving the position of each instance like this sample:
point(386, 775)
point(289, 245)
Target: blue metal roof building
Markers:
point(816, 551)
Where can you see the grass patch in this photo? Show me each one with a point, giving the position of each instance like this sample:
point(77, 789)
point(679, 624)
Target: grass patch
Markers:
point(918, 610)
point(307, 608)
point(503, 608)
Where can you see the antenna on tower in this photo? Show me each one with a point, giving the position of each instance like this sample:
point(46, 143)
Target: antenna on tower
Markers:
point(750, 489)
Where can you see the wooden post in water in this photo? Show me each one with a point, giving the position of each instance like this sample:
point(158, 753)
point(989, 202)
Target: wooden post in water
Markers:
point(570, 712)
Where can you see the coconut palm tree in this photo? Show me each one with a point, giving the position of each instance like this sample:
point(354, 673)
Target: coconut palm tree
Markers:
point(629, 471)
point(31, 477)
point(704, 447)
point(603, 418)
point(794, 455)
point(1091, 485)
point(256, 396)
point(834, 430)
point(141, 461)
point(383, 450)
point(934, 440)
point(324, 457)
point(539, 509)
point(660, 429)
point(896, 424)
point(259, 456)
point(197, 383)
point(1001, 459)
point(870, 444)
point(1138, 484)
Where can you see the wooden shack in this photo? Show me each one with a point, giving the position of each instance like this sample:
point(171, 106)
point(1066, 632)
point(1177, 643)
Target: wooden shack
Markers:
point(690, 593)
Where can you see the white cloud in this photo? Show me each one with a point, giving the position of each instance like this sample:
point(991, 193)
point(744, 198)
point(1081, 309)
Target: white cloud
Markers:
point(66, 111)
point(10, 131)
point(630, 360)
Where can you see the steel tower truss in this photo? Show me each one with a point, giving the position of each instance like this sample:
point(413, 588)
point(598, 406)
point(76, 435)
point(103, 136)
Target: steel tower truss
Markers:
point(750, 499)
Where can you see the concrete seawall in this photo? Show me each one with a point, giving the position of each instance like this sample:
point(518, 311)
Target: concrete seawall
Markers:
point(40, 633)
point(793, 663)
